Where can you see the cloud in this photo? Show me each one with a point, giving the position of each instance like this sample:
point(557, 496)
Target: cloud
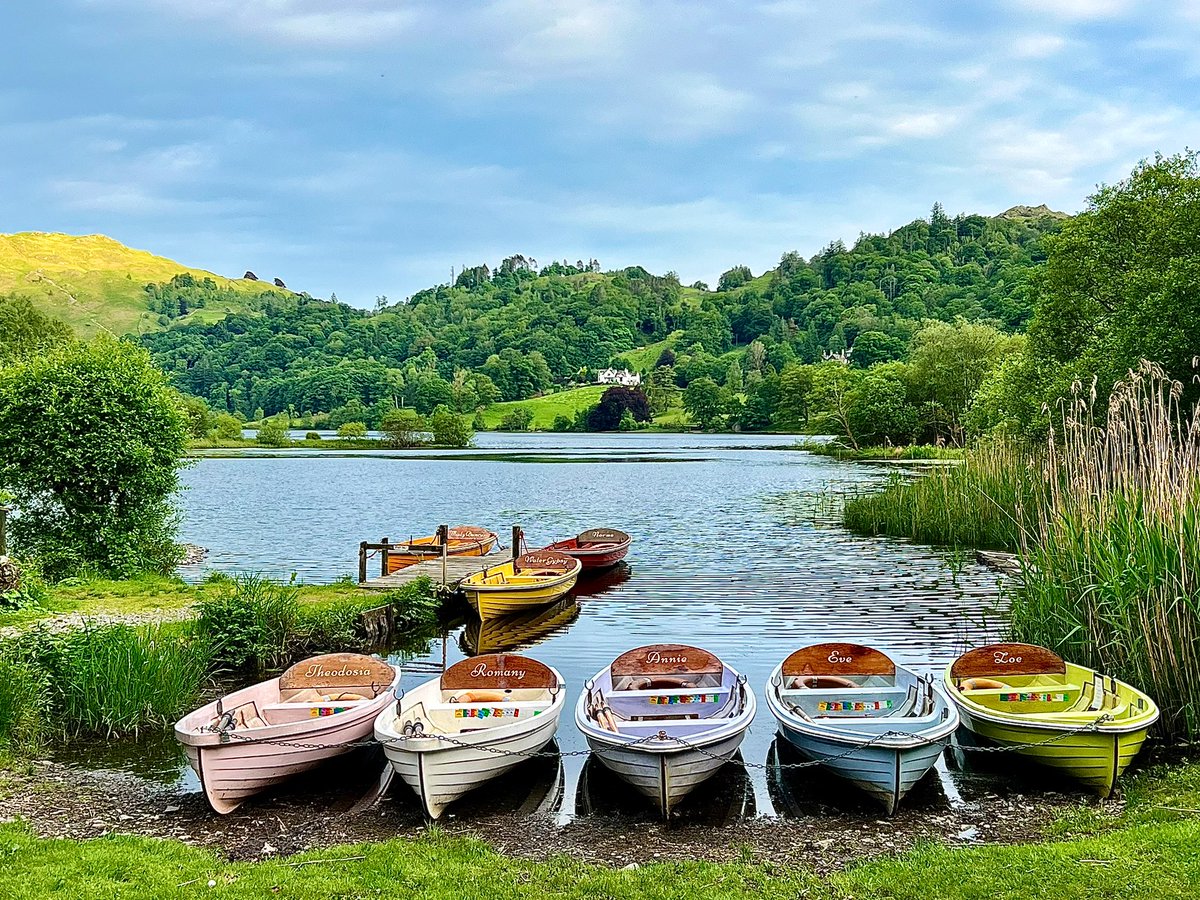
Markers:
point(1077, 10)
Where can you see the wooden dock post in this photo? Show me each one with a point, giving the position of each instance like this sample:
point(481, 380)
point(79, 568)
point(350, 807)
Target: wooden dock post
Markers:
point(362, 561)
point(383, 565)
point(518, 534)
point(443, 537)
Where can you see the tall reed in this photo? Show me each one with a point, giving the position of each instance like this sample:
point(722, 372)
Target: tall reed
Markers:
point(1112, 569)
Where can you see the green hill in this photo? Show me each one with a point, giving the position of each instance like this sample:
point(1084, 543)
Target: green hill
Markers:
point(547, 408)
point(94, 283)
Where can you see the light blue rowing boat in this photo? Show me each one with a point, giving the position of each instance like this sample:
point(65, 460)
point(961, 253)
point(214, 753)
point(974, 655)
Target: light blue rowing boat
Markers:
point(876, 724)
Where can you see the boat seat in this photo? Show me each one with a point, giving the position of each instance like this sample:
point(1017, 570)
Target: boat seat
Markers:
point(298, 711)
point(849, 702)
point(659, 703)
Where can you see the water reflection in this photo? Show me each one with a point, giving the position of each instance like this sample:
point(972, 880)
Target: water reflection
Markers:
point(725, 797)
point(500, 633)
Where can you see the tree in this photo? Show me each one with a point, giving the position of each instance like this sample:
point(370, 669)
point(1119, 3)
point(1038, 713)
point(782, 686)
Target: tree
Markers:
point(352, 431)
point(226, 427)
point(198, 416)
point(795, 386)
point(450, 430)
point(273, 432)
point(879, 411)
point(25, 330)
point(666, 359)
point(661, 390)
point(91, 443)
point(614, 403)
point(832, 387)
point(402, 428)
point(734, 278)
point(704, 403)
point(733, 378)
point(518, 419)
point(562, 423)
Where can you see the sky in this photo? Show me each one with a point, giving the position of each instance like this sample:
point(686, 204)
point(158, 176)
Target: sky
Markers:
point(369, 147)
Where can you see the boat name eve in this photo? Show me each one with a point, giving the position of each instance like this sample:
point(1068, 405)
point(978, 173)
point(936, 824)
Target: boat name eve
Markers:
point(481, 671)
point(319, 671)
point(836, 657)
point(655, 657)
point(1004, 658)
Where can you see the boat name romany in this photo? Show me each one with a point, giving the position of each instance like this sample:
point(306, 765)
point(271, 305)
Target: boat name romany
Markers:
point(655, 657)
point(836, 657)
point(316, 670)
point(1004, 658)
point(481, 671)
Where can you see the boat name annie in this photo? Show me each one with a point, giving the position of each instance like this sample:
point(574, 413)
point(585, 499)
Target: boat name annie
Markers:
point(655, 657)
point(482, 671)
point(1004, 658)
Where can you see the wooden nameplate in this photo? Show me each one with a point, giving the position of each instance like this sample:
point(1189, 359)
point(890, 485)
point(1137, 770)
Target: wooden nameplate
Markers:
point(666, 659)
point(544, 560)
point(336, 671)
point(838, 659)
point(498, 672)
point(601, 536)
point(469, 533)
point(998, 660)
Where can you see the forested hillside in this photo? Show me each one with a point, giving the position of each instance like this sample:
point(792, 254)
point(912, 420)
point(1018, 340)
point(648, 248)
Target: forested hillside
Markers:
point(520, 329)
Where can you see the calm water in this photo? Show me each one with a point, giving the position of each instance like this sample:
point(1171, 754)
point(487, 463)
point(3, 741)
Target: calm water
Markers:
point(733, 551)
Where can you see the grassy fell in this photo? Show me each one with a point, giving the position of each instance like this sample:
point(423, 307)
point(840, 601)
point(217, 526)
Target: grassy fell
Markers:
point(546, 409)
point(94, 283)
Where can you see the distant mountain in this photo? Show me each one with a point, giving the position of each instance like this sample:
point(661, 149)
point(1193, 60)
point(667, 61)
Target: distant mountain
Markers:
point(94, 283)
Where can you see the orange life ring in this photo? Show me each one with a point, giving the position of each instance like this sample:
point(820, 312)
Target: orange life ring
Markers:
point(824, 681)
point(665, 682)
point(480, 697)
point(979, 684)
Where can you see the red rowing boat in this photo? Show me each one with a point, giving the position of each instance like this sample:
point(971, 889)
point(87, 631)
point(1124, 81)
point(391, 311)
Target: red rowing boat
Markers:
point(596, 548)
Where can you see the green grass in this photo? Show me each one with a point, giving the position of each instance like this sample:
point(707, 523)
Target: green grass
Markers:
point(546, 409)
point(644, 358)
point(916, 451)
point(94, 283)
point(1148, 851)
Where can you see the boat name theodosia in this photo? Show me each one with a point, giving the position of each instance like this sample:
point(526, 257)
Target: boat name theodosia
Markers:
point(482, 670)
point(655, 657)
point(316, 670)
point(1004, 658)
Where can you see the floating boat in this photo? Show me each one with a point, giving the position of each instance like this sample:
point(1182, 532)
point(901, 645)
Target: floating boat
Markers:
point(501, 633)
point(241, 744)
point(455, 732)
point(596, 549)
point(532, 579)
point(665, 718)
point(462, 540)
point(1072, 718)
point(880, 726)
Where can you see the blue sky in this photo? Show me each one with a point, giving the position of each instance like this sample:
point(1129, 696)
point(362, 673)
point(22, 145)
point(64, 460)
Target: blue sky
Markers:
point(365, 147)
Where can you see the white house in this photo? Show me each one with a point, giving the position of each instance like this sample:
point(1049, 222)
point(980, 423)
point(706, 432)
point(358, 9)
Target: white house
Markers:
point(618, 376)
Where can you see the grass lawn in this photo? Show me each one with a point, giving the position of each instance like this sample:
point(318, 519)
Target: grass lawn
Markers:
point(1150, 851)
point(644, 358)
point(546, 409)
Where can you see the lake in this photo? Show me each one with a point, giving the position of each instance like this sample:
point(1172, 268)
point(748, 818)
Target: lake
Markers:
point(735, 549)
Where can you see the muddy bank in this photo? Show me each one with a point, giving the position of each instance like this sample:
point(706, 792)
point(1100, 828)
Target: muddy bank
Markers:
point(822, 831)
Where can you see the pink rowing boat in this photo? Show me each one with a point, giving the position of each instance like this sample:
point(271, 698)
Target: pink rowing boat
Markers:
point(247, 741)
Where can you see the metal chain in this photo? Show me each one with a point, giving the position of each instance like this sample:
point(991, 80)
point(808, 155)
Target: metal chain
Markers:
point(536, 754)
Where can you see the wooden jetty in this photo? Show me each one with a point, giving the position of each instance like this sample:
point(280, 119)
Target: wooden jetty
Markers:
point(444, 571)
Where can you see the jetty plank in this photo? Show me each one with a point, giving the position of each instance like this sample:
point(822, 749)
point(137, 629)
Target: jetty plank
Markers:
point(456, 568)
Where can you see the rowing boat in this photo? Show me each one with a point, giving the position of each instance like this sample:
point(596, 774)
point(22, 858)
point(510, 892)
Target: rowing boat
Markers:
point(480, 718)
point(251, 739)
point(1069, 717)
point(461, 540)
point(665, 718)
point(880, 726)
point(532, 579)
point(596, 549)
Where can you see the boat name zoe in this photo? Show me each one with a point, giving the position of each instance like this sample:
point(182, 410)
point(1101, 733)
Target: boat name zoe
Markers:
point(482, 671)
point(1004, 658)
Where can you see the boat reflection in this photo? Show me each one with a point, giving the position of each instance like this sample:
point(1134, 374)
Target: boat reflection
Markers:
point(532, 789)
point(502, 633)
point(808, 790)
point(726, 797)
point(593, 584)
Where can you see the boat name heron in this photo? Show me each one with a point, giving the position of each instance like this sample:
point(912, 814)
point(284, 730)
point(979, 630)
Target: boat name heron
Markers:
point(1004, 658)
point(482, 671)
point(655, 657)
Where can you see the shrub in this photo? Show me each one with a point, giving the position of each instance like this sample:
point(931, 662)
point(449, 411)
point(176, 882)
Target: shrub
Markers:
point(450, 430)
point(562, 423)
point(402, 428)
point(273, 432)
point(24, 706)
point(518, 419)
point(91, 442)
point(350, 431)
point(249, 621)
point(226, 427)
point(312, 436)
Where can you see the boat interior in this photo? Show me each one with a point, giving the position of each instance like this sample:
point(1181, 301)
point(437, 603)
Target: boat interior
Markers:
point(311, 689)
point(1024, 679)
point(529, 569)
point(850, 681)
point(647, 687)
point(481, 692)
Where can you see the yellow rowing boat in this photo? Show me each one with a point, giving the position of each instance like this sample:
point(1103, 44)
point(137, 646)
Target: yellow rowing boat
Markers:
point(1088, 725)
point(532, 579)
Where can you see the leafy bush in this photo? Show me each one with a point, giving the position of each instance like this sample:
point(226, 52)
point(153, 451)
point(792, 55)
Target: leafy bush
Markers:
point(273, 432)
point(518, 419)
point(249, 621)
point(312, 436)
point(402, 428)
point(32, 592)
point(450, 430)
point(351, 431)
point(91, 442)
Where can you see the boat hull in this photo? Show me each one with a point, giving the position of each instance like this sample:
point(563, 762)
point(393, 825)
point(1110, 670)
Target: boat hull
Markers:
point(491, 601)
point(666, 776)
point(1095, 759)
point(418, 552)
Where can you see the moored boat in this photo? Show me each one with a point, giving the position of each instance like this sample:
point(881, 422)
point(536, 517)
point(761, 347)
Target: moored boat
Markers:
point(246, 741)
point(880, 726)
point(665, 717)
point(596, 549)
point(470, 725)
point(532, 579)
point(1088, 725)
point(461, 540)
